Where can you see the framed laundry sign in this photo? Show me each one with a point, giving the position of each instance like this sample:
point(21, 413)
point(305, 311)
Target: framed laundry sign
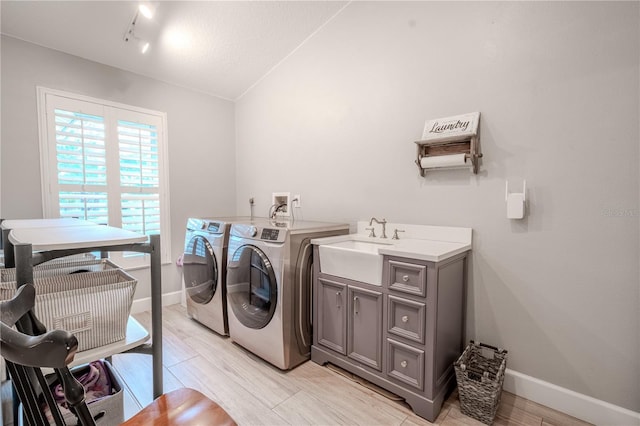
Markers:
point(450, 142)
point(455, 127)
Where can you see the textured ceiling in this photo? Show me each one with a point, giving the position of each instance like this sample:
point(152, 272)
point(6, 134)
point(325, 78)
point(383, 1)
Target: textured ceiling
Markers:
point(217, 47)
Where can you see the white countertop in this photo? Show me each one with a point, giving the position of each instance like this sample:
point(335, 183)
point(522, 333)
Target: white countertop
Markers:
point(430, 250)
point(434, 251)
point(70, 237)
point(422, 242)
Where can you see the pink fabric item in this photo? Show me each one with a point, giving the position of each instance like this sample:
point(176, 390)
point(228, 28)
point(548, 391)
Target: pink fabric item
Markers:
point(97, 385)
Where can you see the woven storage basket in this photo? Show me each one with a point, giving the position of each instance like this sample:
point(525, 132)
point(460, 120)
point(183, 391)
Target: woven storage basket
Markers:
point(94, 306)
point(61, 267)
point(480, 374)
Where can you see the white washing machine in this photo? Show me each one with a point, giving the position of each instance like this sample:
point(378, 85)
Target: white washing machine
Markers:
point(204, 269)
point(269, 287)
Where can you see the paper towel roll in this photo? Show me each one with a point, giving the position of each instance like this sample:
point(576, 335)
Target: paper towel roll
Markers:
point(453, 160)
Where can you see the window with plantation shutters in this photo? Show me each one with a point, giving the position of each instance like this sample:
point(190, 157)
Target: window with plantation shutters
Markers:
point(104, 162)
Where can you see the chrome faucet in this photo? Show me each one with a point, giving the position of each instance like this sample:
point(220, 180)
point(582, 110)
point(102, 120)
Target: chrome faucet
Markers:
point(395, 234)
point(382, 222)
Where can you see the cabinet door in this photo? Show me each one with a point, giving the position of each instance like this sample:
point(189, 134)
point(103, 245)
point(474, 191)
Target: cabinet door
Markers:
point(332, 315)
point(365, 327)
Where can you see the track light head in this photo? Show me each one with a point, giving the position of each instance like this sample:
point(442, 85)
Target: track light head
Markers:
point(146, 10)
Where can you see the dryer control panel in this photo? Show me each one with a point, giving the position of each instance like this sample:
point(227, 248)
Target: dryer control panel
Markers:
point(205, 225)
point(213, 226)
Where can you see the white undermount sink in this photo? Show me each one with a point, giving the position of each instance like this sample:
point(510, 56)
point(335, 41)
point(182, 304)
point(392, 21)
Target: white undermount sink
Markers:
point(353, 257)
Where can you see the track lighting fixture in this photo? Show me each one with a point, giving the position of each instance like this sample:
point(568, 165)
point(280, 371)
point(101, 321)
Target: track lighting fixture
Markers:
point(146, 11)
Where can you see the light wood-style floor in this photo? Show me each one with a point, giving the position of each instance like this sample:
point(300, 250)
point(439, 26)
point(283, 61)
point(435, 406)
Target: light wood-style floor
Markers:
point(255, 393)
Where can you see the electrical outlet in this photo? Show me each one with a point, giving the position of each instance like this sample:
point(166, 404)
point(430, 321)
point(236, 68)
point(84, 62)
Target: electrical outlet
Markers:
point(296, 203)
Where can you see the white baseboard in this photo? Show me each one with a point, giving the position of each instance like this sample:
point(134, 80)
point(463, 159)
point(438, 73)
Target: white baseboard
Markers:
point(141, 305)
point(581, 406)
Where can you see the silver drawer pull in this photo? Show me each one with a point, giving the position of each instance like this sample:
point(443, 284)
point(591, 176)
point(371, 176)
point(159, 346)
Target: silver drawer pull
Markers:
point(338, 300)
point(405, 278)
point(355, 305)
point(405, 318)
point(403, 364)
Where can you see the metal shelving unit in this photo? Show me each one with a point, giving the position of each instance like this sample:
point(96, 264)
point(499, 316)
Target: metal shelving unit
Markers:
point(28, 243)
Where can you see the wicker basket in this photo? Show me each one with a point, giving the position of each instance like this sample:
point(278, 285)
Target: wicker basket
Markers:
point(94, 306)
point(480, 374)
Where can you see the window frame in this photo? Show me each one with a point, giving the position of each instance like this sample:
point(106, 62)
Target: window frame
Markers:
point(49, 176)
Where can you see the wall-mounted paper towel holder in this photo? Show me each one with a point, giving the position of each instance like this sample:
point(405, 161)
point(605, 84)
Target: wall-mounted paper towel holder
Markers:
point(451, 142)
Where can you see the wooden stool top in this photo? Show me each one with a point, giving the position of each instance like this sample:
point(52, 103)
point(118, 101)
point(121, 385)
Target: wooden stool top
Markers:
point(182, 407)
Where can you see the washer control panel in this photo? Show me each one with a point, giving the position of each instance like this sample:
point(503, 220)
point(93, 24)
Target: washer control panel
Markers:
point(254, 232)
point(269, 234)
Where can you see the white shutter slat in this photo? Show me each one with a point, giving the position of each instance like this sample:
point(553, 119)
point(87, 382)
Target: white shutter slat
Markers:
point(67, 116)
point(76, 160)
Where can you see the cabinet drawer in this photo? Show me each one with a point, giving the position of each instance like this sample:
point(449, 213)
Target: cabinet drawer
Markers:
point(406, 318)
point(408, 277)
point(405, 363)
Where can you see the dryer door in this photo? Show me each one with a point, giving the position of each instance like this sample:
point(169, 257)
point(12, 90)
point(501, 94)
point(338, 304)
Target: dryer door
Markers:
point(252, 291)
point(200, 270)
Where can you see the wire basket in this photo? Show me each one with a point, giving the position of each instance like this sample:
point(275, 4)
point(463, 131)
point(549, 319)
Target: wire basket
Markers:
point(480, 374)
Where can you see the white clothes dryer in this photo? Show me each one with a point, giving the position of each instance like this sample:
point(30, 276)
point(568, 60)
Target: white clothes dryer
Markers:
point(269, 287)
point(204, 269)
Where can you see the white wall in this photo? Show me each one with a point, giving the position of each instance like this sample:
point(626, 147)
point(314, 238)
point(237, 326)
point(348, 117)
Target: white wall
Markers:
point(201, 137)
point(557, 86)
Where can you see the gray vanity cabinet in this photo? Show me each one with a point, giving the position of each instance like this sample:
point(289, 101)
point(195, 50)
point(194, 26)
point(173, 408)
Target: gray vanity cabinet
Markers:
point(403, 335)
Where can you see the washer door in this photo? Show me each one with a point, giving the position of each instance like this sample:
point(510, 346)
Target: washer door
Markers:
point(200, 270)
point(252, 291)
